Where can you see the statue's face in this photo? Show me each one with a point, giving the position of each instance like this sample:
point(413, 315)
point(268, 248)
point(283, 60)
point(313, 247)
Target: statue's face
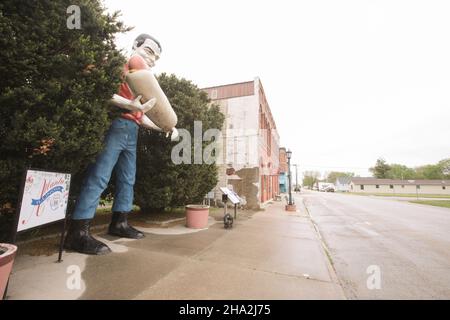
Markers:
point(149, 50)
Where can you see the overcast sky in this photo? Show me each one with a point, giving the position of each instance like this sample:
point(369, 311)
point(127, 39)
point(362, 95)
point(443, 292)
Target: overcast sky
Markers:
point(347, 81)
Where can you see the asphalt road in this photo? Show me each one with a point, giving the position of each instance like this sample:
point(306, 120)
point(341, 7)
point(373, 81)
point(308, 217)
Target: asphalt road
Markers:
point(384, 248)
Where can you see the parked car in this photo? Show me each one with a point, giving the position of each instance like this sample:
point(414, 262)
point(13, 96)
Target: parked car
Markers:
point(326, 187)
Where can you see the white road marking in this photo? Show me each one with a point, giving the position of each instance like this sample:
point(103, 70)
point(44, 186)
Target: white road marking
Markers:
point(368, 231)
point(362, 227)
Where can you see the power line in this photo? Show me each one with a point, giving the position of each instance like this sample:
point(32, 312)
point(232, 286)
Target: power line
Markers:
point(331, 167)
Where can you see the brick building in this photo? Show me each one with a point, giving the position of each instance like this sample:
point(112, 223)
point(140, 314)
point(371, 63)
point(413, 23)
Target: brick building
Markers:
point(250, 146)
point(283, 171)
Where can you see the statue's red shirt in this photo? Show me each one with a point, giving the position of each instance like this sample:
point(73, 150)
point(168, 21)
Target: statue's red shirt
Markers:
point(135, 63)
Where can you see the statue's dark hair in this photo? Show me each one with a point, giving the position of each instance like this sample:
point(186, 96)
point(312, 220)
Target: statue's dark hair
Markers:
point(142, 37)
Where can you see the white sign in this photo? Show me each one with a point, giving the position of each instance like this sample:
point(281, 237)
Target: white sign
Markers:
point(45, 198)
point(232, 196)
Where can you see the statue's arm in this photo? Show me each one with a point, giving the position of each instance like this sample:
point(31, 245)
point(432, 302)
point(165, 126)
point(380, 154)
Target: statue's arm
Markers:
point(132, 105)
point(149, 124)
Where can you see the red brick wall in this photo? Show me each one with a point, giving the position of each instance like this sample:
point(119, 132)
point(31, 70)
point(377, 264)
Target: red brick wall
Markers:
point(230, 90)
point(268, 150)
point(283, 161)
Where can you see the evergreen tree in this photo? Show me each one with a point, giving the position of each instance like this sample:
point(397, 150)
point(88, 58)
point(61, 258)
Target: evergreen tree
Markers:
point(54, 87)
point(381, 169)
point(159, 182)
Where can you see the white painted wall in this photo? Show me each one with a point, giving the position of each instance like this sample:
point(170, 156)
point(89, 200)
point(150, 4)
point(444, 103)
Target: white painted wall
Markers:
point(342, 187)
point(241, 132)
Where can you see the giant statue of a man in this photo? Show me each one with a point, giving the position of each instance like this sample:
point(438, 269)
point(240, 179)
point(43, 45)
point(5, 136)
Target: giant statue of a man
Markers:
point(119, 153)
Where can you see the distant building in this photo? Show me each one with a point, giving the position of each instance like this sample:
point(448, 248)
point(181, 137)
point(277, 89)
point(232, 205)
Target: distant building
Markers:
point(250, 145)
point(394, 186)
point(282, 177)
point(323, 186)
point(342, 184)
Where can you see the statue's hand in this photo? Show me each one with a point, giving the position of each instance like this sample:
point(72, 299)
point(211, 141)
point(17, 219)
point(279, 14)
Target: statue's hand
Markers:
point(149, 124)
point(133, 105)
point(173, 134)
point(138, 106)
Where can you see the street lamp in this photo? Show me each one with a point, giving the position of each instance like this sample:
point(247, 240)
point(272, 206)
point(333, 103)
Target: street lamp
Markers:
point(289, 155)
point(290, 206)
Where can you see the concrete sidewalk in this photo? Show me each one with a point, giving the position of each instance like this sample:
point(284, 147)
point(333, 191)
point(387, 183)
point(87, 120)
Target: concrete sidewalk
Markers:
point(272, 255)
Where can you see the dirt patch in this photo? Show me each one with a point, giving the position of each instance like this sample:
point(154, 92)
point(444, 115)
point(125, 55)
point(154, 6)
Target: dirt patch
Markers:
point(158, 224)
point(45, 241)
point(41, 247)
point(158, 218)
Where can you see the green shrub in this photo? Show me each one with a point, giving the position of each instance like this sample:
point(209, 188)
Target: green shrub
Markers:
point(53, 90)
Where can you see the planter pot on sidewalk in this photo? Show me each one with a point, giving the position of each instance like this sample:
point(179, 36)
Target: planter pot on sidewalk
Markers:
point(197, 216)
point(291, 207)
point(7, 255)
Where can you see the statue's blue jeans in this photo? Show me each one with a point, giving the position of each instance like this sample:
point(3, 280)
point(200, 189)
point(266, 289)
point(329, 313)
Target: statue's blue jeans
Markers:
point(119, 152)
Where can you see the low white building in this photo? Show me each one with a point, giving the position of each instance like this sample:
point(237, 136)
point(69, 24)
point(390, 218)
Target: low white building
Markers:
point(373, 185)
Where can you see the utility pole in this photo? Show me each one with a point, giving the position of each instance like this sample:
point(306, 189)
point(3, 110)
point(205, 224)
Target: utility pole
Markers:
point(296, 178)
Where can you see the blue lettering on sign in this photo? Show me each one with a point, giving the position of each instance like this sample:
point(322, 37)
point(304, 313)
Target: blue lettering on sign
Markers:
point(37, 202)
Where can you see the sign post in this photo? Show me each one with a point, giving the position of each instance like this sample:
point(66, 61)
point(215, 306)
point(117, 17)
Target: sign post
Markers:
point(234, 198)
point(43, 200)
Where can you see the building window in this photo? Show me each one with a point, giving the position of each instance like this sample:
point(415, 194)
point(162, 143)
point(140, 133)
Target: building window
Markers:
point(391, 186)
point(403, 186)
point(418, 186)
point(261, 117)
point(443, 188)
point(362, 187)
point(214, 94)
point(377, 186)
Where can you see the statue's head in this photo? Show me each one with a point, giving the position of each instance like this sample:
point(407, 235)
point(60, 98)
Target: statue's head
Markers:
point(148, 48)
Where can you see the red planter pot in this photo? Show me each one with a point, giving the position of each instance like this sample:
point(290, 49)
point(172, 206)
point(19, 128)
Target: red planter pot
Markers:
point(7, 255)
point(197, 216)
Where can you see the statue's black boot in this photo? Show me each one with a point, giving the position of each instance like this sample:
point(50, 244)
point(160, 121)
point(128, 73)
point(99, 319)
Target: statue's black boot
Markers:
point(119, 227)
point(79, 239)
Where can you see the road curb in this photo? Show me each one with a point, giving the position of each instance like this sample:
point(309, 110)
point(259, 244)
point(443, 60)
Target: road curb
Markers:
point(326, 251)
